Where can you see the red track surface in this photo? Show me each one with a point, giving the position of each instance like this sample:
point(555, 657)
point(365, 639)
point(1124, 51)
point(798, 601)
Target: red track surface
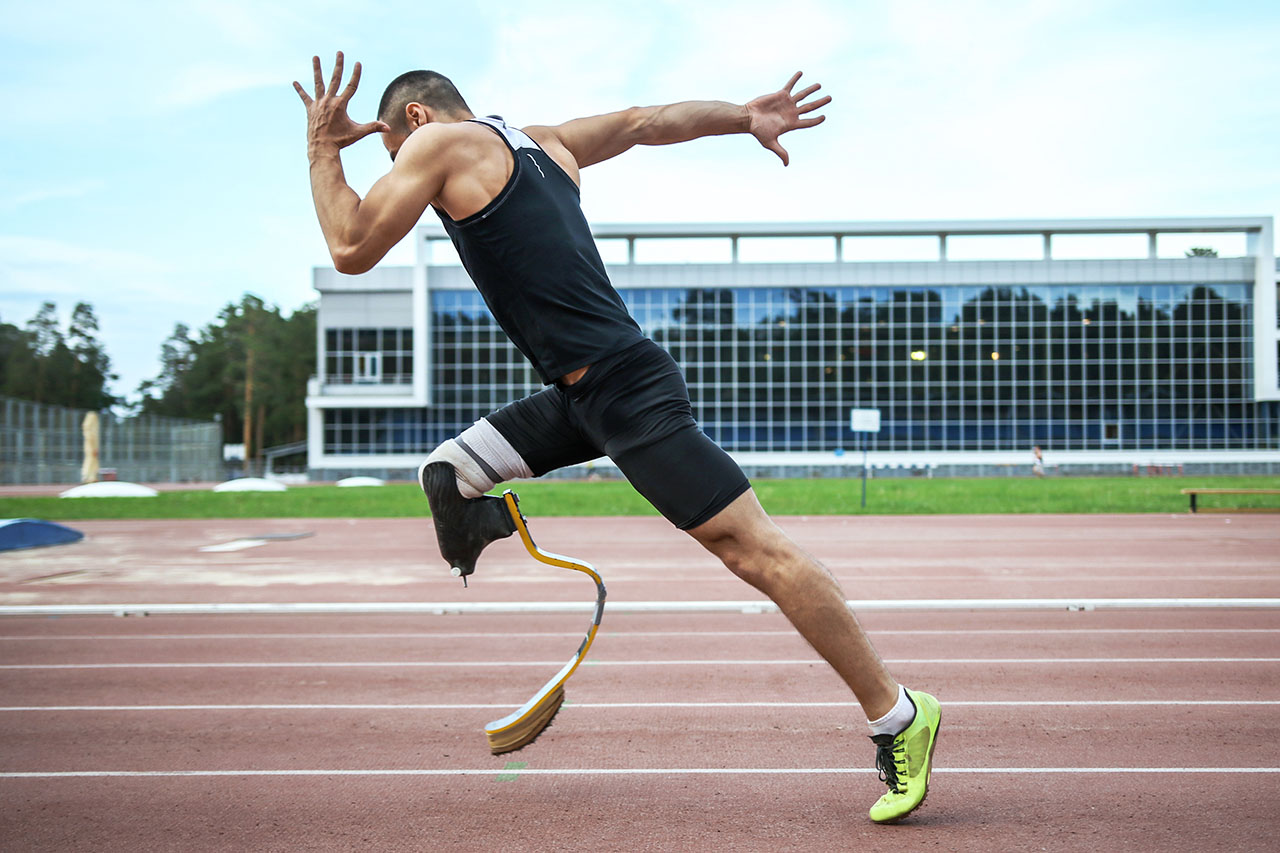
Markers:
point(779, 750)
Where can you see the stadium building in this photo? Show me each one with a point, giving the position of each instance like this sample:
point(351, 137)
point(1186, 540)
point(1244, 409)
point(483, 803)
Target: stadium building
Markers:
point(1110, 344)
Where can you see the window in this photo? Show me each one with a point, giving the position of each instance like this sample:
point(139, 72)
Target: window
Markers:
point(369, 367)
point(1158, 366)
point(368, 356)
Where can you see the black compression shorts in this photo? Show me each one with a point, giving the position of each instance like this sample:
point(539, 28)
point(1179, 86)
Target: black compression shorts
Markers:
point(633, 407)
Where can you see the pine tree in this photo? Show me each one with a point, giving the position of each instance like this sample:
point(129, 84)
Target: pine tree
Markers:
point(45, 365)
point(250, 365)
point(17, 362)
point(90, 368)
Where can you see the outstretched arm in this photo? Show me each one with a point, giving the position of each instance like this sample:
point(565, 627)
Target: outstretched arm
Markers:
point(595, 139)
point(359, 232)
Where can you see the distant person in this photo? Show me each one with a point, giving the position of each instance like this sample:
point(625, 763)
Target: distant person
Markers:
point(509, 200)
point(1037, 461)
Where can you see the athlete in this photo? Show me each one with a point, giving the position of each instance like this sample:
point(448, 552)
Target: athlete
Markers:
point(509, 200)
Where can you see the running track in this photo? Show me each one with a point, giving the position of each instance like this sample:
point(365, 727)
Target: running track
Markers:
point(1153, 729)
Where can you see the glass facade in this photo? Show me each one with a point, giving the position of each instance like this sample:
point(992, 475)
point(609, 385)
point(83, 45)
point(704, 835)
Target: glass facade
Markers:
point(951, 368)
point(368, 356)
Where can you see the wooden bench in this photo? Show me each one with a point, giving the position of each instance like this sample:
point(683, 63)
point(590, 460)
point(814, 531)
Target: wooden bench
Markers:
point(1194, 492)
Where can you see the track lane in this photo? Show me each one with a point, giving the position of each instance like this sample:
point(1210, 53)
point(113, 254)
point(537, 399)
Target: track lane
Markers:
point(393, 559)
point(967, 810)
point(622, 646)
point(624, 738)
point(527, 813)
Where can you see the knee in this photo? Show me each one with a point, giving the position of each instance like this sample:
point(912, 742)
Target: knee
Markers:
point(765, 563)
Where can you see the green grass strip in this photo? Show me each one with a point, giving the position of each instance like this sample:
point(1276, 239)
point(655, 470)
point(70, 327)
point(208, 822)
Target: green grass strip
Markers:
point(898, 496)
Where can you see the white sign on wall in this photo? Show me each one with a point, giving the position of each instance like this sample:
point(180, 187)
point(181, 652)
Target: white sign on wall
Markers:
point(864, 420)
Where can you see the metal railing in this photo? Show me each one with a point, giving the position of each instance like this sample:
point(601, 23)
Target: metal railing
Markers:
point(40, 443)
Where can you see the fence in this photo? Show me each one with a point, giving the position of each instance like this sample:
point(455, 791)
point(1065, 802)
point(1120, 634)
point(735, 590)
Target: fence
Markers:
point(44, 444)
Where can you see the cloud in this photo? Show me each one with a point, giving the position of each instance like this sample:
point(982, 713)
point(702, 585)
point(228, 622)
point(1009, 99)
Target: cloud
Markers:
point(10, 203)
point(22, 253)
point(200, 83)
point(152, 59)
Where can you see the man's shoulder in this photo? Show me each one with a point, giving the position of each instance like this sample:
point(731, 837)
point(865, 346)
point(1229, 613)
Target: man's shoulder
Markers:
point(542, 134)
point(549, 140)
point(439, 139)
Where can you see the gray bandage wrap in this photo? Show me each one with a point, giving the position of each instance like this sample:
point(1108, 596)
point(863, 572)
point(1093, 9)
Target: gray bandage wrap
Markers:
point(481, 458)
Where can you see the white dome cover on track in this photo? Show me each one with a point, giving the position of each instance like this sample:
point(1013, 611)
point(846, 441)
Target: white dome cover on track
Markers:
point(250, 484)
point(361, 481)
point(110, 489)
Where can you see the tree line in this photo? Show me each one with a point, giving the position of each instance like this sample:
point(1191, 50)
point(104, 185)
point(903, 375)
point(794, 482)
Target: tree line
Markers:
point(249, 368)
point(45, 364)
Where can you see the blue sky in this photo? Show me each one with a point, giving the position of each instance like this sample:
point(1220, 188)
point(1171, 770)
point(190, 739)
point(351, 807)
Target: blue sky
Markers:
point(153, 159)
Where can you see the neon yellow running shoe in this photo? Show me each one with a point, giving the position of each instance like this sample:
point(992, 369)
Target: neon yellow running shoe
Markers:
point(905, 760)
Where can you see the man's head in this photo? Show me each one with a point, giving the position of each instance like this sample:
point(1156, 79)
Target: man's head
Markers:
point(416, 98)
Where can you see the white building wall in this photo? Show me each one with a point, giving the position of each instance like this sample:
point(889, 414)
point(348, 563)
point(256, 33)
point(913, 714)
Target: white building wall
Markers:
point(399, 296)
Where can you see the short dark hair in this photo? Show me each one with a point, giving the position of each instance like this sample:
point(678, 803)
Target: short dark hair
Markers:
point(424, 87)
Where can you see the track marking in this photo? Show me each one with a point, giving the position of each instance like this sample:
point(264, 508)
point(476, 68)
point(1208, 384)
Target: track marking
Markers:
point(602, 663)
point(985, 703)
point(234, 545)
point(503, 635)
point(754, 606)
point(628, 771)
point(1263, 574)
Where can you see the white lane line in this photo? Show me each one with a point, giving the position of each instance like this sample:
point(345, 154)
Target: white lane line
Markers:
point(985, 703)
point(717, 606)
point(693, 633)
point(625, 771)
point(234, 545)
point(602, 663)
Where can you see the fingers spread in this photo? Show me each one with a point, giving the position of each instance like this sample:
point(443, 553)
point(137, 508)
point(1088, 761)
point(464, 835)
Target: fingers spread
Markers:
point(351, 85)
point(792, 82)
point(302, 93)
point(813, 105)
point(315, 66)
point(810, 122)
point(780, 151)
point(371, 127)
point(806, 93)
point(336, 79)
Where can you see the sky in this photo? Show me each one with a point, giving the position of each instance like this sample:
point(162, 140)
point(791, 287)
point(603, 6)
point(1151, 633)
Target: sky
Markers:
point(153, 155)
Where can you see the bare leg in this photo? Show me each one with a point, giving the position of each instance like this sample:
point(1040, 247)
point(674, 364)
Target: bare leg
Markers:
point(755, 549)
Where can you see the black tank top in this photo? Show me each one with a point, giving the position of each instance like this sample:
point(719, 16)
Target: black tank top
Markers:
point(532, 257)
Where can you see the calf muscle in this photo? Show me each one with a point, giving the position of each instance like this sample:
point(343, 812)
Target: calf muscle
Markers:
point(758, 551)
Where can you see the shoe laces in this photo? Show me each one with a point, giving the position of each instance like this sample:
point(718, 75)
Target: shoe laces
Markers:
point(891, 751)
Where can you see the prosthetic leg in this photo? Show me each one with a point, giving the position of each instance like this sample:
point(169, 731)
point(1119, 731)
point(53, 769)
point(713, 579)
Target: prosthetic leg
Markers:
point(525, 723)
point(464, 528)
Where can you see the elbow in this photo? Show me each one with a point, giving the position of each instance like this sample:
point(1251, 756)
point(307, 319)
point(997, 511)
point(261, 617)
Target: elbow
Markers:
point(349, 260)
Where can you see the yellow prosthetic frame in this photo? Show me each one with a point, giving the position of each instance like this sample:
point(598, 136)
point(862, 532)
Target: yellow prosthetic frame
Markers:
point(525, 723)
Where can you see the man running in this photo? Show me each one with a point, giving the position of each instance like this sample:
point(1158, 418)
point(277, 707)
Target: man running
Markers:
point(509, 200)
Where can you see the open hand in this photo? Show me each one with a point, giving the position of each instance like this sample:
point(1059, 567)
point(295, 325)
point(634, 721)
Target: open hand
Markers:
point(327, 121)
point(779, 112)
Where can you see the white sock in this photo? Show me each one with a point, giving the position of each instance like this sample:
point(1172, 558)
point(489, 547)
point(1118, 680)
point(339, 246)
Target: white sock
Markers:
point(899, 717)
